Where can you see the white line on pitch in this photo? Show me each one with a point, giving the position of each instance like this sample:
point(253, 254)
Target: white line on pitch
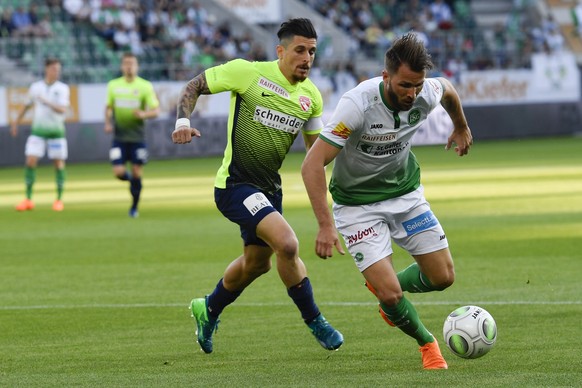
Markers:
point(258, 304)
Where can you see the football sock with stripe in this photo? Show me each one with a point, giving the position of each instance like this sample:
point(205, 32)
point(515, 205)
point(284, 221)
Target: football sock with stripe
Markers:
point(302, 295)
point(60, 177)
point(29, 178)
point(412, 280)
point(219, 299)
point(405, 317)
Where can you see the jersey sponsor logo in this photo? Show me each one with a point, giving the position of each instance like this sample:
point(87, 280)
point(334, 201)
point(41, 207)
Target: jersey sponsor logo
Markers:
point(265, 83)
point(277, 120)
point(420, 223)
point(341, 130)
point(255, 202)
point(267, 94)
point(376, 126)
point(382, 149)
point(379, 138)
point(123, 103)
point(414, 117)
point(360, 235)
point(304, 103)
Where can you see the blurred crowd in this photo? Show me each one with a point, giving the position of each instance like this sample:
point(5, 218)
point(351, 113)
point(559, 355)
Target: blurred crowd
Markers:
point(448, 29)
point(24, 21)
point(184, 33)
point(181, 30)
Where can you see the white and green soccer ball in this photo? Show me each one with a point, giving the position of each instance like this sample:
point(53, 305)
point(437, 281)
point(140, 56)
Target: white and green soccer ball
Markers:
point(470, 332)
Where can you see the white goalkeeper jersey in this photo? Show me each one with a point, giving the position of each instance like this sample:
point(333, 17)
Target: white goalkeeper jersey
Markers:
point(376, 162)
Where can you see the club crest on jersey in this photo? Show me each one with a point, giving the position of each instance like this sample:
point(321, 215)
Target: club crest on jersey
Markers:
point(305, 103)
point(414, 117)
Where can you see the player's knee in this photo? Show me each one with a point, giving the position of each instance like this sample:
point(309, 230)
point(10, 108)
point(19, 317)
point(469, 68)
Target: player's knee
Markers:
point(259, 268)
point(389, 297)
point(444, 280)
point(288, 249)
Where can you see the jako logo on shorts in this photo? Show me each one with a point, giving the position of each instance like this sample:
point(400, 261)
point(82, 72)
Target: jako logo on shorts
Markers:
point(360, 235)
point(420, 223)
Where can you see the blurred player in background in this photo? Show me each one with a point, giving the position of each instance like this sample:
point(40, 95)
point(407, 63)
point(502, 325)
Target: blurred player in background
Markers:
point(271, 103)
point(130, 101)
point(376, 189)
point(50, 99)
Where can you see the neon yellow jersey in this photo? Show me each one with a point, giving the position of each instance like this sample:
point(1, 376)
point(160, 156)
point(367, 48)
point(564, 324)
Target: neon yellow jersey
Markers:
point(266, 115)
point(125, 98)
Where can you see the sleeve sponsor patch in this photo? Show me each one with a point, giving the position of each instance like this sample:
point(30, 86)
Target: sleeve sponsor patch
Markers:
point(341, 130)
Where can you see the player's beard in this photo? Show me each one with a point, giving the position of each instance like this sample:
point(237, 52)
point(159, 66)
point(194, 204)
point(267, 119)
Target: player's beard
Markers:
point(300, 77)
point(395, 101)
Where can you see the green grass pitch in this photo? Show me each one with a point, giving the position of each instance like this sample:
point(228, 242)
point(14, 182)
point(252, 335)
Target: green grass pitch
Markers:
point(90, 297)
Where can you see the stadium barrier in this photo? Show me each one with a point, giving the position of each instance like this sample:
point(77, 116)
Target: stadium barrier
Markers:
point(510, 104)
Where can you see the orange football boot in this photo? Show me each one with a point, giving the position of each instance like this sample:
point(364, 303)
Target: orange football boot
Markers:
point(25, 205)
point(432, 357)
point(58, 205)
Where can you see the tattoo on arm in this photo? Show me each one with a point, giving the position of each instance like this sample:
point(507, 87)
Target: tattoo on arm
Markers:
point(189, 96)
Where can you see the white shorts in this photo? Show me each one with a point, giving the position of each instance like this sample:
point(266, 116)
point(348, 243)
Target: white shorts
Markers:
point(37, 146)
point(368, 230)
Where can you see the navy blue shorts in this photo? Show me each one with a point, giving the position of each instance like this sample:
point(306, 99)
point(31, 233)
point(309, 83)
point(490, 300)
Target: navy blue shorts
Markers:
point(123, 152)
point(246, 206)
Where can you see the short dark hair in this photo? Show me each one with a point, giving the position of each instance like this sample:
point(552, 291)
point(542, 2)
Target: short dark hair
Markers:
point(410, 50)
point(51, 61)
point(296, 27)
point(128, 54)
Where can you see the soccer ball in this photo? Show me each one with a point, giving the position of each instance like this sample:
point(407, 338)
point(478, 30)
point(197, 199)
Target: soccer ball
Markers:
point(470, 332)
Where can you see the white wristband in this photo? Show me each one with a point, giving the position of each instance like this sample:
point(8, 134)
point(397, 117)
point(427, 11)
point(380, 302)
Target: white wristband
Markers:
point(182, 122)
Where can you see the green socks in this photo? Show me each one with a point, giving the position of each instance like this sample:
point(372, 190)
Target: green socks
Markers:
point(29, 178)
point(412, 280)
point(60, 176)
point(405, 317)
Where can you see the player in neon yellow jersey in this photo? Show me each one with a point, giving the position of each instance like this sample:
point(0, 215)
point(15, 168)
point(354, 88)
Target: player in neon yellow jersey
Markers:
point(50, 99)
point(271, 103)
point(130, 101)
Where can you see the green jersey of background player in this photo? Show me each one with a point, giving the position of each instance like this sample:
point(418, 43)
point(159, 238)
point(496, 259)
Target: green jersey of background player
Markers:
point(271, 103)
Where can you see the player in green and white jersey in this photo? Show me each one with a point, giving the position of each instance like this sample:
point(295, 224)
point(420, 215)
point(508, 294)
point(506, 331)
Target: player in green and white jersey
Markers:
point(271, 104)
point(376, 189)
point(130, 101)
point(50, 99)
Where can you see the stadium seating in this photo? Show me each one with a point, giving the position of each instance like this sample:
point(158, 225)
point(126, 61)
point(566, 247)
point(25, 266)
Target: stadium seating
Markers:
point(479, 35)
